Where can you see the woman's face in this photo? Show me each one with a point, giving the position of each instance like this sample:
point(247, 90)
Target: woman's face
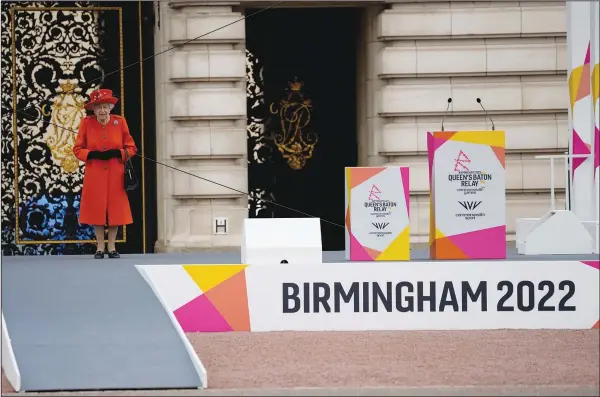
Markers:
point(102, 109)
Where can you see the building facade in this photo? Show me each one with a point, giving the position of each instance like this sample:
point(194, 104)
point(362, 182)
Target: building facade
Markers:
point(273, 99)
point(411, 57)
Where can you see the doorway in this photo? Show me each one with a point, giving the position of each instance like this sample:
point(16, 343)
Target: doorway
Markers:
point(302, 129)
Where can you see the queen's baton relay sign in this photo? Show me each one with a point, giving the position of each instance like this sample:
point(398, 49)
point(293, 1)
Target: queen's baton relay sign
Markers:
point(377, 214)
point(468, 204)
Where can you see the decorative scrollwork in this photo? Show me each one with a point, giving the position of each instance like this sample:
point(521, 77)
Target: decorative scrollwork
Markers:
point(259, 150)
point(67, 112)
point(53, 49)
point(295, 145)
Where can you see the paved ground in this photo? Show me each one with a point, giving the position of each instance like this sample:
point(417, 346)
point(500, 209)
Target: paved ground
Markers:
point(433, 363)
point(369, 391)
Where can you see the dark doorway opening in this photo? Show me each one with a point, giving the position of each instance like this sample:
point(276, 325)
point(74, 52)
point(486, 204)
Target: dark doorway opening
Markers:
point(302, 132)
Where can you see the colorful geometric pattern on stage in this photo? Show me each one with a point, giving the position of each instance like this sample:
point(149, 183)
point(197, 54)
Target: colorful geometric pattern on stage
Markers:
point(351, 296)
point(204, 298)
point(377, 213)
point(467, 200)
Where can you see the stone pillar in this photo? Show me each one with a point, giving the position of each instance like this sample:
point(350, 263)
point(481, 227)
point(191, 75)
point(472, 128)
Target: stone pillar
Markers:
point(369, 86)
point(201, 125)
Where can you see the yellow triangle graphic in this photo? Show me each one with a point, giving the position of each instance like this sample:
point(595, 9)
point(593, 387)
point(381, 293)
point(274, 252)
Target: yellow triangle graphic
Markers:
point(209, 276)
point(399, 249)
point(490, 138)
point(574, 82)
point(439, 234)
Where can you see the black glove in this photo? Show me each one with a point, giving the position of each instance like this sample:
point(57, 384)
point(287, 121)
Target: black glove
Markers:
point(106, 155)
point(113, 153)
point(95, 155)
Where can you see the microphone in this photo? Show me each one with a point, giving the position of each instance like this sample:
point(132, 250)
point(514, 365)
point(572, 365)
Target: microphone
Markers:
point(446, 112)
point(486, 114)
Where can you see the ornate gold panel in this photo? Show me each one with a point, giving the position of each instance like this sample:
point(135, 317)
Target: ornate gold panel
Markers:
point(295, 142)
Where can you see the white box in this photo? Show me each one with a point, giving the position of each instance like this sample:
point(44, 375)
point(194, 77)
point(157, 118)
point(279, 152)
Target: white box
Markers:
point(268, 241)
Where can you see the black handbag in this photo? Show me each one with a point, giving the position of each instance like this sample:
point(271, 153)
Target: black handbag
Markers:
point(131, 181)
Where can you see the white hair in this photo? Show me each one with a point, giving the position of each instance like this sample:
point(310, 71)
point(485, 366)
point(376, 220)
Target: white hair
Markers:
point(110, 106)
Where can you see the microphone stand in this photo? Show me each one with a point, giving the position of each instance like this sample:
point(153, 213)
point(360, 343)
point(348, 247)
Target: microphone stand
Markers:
point(486, 114)
point(446, 112)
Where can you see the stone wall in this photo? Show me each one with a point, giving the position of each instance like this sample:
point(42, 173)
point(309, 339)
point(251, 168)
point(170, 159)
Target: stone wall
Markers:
point(512, 55)
point(201, 125)
point(413, 57)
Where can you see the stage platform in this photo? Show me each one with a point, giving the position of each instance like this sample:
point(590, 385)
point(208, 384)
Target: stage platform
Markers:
point(198, 258)
point(78, 323)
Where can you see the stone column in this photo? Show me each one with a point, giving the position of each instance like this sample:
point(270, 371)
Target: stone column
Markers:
point(201, 125)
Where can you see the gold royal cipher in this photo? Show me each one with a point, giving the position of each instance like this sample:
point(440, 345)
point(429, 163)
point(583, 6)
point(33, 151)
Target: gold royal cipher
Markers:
point(296, 145)
point(67, 111)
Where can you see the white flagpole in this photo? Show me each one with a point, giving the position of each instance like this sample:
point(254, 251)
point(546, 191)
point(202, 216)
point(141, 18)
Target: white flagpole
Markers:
point(581, 113)
point(595, 81)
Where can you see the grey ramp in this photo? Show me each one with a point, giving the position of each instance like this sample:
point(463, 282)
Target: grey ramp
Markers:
point(79, 325)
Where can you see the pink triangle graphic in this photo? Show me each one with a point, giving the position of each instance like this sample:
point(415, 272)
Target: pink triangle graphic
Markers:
point(438, 142)
point(200, 315)
point(430, 151)
point(405, 175)
point(587, 56)
point(594, 264)
point(482, 244)
point(579, 147)
point(596, 150)
point(357, 252)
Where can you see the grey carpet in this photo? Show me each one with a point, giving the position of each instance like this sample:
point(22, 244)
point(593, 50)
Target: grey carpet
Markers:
point(76, 326)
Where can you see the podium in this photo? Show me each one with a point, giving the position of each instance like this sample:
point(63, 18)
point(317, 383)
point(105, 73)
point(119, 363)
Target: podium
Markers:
point(467, 181)
point(377, 214)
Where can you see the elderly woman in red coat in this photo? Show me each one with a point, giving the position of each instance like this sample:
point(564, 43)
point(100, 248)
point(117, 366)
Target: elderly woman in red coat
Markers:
point(103, 143)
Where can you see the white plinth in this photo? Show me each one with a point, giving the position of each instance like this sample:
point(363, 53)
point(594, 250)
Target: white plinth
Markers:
point(281, 240)
point(556, 233)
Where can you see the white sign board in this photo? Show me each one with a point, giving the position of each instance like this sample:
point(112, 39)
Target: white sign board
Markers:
point(424, 296)
point(468, 193)
point(435, 295)
point(377, 214)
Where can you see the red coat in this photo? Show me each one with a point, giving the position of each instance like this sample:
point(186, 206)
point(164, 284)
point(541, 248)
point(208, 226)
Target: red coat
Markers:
point(103, 195)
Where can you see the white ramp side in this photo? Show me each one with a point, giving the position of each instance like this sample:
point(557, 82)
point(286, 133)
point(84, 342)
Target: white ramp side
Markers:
point(9, 362)
point(268, 241)
point(198, 366)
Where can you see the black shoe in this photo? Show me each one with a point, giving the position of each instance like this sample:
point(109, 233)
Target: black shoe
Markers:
point(99, 255)
point(113, 255)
